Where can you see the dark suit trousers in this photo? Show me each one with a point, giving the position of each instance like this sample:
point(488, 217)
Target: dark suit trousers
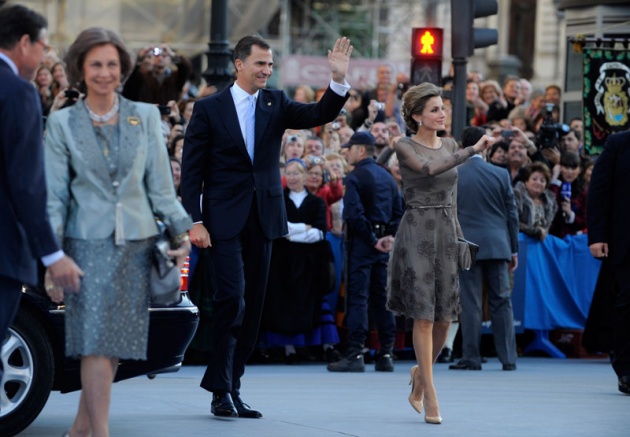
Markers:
point(10, 295)
point(495, 275)
point(621, 319)
point(240, 267)
point(367, 294)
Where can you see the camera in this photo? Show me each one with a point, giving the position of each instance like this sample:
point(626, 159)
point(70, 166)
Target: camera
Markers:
point(157, 51)
point(335, 125)
point(550, 132)
point(507, 133)
point(401, 89)
point(292, 138)
point(164, 109)
point(380, 106)
point(71, 94)
point(315, 160)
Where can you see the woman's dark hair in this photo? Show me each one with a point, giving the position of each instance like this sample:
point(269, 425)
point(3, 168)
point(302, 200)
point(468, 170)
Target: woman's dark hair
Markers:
point(570, 159)
point(17, 21)
point(86, 41)
point(498, 145)
point(414, 101)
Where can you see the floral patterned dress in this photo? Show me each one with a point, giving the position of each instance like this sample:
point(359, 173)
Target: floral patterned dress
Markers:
point(423, 267)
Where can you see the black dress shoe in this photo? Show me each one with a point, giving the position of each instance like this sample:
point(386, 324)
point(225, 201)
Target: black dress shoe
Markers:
point(446, 356)
point(509, 366)
point(624, 385)
point(222, 405)
point(243, 409)
point(464, 365)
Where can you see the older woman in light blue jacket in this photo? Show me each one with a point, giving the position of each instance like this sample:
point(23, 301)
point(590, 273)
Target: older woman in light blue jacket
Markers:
point(108, 177)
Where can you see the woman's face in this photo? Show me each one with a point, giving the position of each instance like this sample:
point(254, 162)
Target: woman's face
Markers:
point(44, 78)
point(295, 176)
point(300, 96)
point(500, 157)
point(314, 178)
point(587, 174)
point(569, 174)
point(472, 91)
point(489, 95)
point(337, 167)
point(434, 114)
point(177, 173)
point(293, 149)
point(101, 70)
point(394, 169)
point(536, 184)
point(59, 73)
point(179, 149)
point(188, 109)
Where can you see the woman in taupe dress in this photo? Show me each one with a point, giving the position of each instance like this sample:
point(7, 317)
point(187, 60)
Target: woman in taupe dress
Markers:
point(424, 268)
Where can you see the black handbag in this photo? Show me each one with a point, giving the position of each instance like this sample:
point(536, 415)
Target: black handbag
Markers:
point(165, 278)
point(467, 253)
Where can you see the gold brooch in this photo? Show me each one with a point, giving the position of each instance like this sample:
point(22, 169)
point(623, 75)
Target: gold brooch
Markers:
point(134, 121)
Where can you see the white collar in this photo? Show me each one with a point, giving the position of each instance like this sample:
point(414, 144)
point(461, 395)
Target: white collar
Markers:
point(10, 62)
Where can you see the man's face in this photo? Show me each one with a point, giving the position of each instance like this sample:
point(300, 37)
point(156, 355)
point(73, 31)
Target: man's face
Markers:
point(31, 54)
point(570, 142)
point(512, 89)
point(381, 134)
point(314, 147)
point(353, 154)
point(516, 152)
point(384, 74)
point(253, 72)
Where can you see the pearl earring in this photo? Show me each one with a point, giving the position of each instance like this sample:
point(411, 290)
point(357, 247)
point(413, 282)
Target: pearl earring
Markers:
point(419, 123)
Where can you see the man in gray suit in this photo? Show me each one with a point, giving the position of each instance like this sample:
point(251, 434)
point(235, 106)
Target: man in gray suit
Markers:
point(488, 217)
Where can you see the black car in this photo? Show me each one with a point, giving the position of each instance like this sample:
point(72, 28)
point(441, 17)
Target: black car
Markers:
point(34, 361)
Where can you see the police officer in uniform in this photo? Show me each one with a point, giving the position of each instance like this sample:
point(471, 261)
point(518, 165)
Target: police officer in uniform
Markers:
point(372, 212)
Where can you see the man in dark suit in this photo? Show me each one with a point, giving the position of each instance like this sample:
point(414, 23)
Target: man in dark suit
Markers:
point(25, 233)
point(608, 216)
point(232, 155)
point(487, 214)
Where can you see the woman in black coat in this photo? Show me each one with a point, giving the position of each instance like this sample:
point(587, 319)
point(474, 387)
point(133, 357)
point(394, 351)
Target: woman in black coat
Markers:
point(300, 272)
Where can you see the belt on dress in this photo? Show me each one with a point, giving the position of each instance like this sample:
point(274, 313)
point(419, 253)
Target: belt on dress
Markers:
point(428, 206)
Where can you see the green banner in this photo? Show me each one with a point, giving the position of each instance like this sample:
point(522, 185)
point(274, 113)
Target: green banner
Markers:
point(606, 96)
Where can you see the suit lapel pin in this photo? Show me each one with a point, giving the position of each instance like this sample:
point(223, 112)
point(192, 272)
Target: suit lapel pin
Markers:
point(268, 103)
point(134, 121)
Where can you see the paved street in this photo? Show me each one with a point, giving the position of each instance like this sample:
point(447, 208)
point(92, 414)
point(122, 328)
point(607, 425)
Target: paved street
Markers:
point(544, 397)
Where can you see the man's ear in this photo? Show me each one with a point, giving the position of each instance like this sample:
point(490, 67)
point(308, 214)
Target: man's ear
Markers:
point(238, 64)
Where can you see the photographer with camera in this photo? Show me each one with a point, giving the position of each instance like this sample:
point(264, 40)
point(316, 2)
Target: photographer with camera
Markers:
point(161, 83)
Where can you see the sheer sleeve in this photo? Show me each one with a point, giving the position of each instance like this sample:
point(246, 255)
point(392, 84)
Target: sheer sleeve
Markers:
point(407, 156)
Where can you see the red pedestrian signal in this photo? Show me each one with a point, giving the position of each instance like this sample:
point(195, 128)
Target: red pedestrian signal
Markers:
point(426, 42)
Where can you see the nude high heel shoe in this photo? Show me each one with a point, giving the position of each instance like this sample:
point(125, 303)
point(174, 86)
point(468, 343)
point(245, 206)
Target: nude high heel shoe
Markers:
point(435, 420)
point(416, 405)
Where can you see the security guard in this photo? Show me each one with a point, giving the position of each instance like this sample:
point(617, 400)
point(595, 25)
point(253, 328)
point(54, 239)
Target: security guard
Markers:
point(372, 212)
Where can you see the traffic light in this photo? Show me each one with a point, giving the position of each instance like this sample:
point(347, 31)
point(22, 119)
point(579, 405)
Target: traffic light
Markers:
point(465, 38)
point(426, 53)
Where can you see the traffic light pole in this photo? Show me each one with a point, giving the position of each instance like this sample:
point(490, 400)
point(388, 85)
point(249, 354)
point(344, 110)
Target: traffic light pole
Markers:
point(458, 98)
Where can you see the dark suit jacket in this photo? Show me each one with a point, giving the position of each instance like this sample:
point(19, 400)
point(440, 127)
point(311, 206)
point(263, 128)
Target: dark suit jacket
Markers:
point(25, 233)
point(215, 158)
point(486, 209)
point(608, 208)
